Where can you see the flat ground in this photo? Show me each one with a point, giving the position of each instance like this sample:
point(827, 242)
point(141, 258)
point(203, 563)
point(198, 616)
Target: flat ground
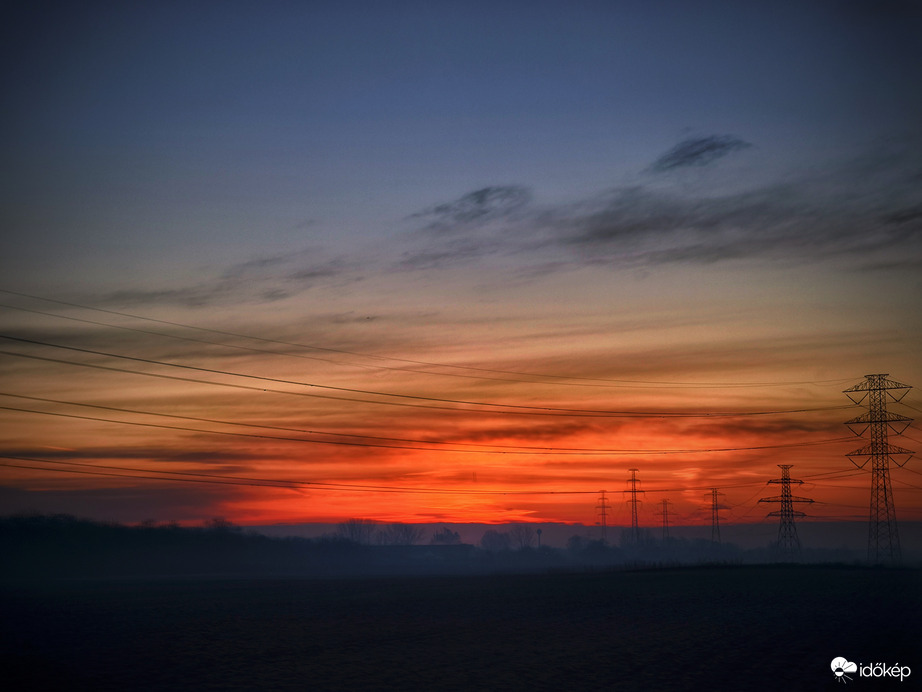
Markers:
point(733, 628)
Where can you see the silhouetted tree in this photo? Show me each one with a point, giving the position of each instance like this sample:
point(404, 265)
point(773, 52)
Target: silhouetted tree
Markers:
point(577, 544)
point(494, 541)
point(522, 535)
point(643, 539)
point(357, 530)
point(400, 534)
point(220, 524)
point(446, 536)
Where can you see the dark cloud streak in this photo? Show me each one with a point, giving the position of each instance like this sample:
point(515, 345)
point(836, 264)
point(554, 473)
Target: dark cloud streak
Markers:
point(698, 151)
point(477, 207)
point(261, 280)
point(864, 211)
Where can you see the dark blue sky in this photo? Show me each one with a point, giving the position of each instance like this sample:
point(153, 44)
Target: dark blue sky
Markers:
point(134, 127)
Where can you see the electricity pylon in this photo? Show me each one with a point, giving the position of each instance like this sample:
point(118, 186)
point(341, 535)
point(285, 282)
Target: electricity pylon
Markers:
point(635, 527)
point(715, 516)
point(665, 515)
point(788, 542)
point(883, 535)
point(602, 510)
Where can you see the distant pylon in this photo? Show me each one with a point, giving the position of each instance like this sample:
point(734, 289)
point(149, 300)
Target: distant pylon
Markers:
point(665, 515)
point(883, 535)
point(602, 510)
point(715, 516)
point(788, 542)
point(632, 500)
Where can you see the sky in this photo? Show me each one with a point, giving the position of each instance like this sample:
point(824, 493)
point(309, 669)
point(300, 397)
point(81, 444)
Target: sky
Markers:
point(455, 261)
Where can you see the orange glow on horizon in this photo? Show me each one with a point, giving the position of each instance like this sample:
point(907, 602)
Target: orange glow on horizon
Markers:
point(525, 448)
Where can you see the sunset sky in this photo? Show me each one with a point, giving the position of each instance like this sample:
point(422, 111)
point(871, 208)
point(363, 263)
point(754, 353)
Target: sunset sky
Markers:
point(454, 261)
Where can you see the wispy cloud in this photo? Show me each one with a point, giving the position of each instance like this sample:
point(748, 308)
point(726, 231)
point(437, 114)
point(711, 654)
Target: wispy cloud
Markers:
point(259, 280)
point(170, 502)
point(864, 210)
point(698, 151)
point(217, 460)
point(477, 207)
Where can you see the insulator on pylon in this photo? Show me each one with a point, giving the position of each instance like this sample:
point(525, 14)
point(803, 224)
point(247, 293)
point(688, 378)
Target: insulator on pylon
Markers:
point(788, 544)
point(877, 423)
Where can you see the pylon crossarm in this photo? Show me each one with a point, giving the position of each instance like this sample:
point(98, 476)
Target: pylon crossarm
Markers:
point(865, 420)
point(876, 382)
point(871, 449)
point(878, 416)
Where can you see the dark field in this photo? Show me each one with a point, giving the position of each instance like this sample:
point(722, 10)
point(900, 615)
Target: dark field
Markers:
point(731, 628)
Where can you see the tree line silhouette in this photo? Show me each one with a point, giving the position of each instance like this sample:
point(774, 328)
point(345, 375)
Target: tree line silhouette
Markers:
point(60, 545)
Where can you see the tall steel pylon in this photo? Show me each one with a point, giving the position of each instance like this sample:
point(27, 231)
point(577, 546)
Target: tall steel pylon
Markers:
point(633, 491)
point(788, 542)
point(883, 535)
point(665, 515)
point(602, 510)
point(715, 516)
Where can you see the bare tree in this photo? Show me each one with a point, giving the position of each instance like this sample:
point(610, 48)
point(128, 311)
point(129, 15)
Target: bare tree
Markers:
point(357, 530)
point(494, 541)
point(522, 535)
point(400, 534)
point(220, 524)
point(446, 536)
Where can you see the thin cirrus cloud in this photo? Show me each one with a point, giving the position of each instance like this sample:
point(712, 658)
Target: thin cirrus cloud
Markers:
point(698, 151)
point(477, 207)
point(867, 211)
point(260, 280)
point(223, 459)
point(864, 210)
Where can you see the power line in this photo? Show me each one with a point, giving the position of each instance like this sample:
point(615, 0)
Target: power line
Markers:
point(537, 378)
point(276, 437)
point(193, 340)
point(486, 448)
point(283, 483)
point(363, 487)
point(152, 478)
point(606, 452)
point(541, 410)
point(311, 395)
point(489, 448)
point(708, 385)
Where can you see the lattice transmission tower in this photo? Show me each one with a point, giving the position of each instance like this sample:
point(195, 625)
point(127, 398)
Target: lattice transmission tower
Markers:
point(602, 509)
point(665, 515)
point(715, 515)
point(788, 542)
point(874, 391)
point(633, 501)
